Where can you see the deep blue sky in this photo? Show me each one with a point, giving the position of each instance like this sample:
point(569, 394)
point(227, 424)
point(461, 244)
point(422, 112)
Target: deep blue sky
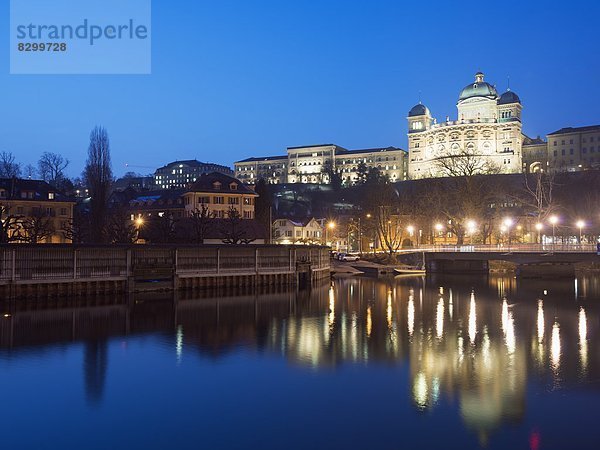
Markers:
point(233, 79)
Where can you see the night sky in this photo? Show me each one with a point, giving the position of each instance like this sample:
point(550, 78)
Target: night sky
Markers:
point(234, 79)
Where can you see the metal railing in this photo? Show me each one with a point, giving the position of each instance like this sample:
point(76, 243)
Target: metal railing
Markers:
point(20, 263)
point(504, 248)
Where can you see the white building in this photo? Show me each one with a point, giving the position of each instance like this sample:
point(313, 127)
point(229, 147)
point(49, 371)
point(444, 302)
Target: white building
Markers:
point(288, 231)
point(314, 163)
point(488, 128)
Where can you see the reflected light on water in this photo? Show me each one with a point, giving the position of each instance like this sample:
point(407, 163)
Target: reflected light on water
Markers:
point(508, 327)
point(411, 315)
point(420, 390)
point(389, 310)
point(179, 342)
point(331, 316)
point(472, 319)
point(369, 322)
point(450, 305)
point(583, 350)
point(540, 321)
point(439, 321)
point(555, 349)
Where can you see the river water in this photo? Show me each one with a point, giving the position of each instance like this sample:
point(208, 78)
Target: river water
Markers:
point(376, 364)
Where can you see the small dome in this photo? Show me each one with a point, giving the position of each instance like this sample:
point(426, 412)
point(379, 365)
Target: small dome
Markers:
point(509, 97)
point(418, 110)
point(478, 89)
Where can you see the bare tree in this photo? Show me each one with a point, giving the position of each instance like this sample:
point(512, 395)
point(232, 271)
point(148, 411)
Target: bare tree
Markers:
point(464, 163)
point(9, 225)
point(121, 229)
point(98, 177)
point(29, 171)
point(76, 229)
point(51, 168)
point(163, 229)
point(538, 194)
point(201, 221)
point(37, 227)
point(8, 167)
point(234, 229)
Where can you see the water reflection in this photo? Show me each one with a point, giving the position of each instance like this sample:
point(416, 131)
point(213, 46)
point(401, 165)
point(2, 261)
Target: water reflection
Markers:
point(583, 350)
point(478, 344)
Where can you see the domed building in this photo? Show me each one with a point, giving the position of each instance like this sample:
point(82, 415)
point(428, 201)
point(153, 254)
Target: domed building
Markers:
point(485, 138)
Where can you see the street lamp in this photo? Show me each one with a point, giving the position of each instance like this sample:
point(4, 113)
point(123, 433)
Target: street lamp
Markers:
point(411, 230)
point(538, 227)
point(439, 227)
point(553, 221)
point(330, 226)
point(580, 224)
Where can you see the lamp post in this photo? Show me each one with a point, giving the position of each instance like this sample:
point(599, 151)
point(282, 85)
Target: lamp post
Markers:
point(330, 226)
point(508, 223)
point(553, 221)
point(411, 230)
point(580, 224)
point(538, 227)
point(471, 228)
point(439, 227)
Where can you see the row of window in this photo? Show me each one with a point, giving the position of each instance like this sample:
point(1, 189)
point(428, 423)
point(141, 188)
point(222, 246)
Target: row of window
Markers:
point(584, 140)
point(48, 211)
point(220, 200)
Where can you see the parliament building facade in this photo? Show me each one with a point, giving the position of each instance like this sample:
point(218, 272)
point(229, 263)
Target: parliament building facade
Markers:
point(488, 129)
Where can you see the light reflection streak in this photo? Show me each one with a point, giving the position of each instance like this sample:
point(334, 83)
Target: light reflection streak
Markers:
point(555, 349)
point(331, 316)
point(420, 390)
point(540, 321)
point(508, 327)
point(389, 310)
point(583, 349)
point(472, 319)
point(450, 305)
point(439, 322)
point(411, 315)
point(369, 322)
point(179, 342)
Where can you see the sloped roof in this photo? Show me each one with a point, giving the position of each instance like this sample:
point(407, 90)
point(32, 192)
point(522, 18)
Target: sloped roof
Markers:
point(216, 182)
point(40, 189)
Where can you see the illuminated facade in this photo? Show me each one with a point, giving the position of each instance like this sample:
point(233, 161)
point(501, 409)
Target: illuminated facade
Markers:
point(288, 231)
point(314, 164)
point(488, 129)
point(180, 174)
point(33, 211)
point(573, 149)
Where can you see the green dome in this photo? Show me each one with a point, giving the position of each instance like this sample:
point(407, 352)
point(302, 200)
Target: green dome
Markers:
point(478, 89)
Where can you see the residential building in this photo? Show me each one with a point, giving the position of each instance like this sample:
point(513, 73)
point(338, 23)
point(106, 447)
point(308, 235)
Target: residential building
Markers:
point(139, 183)
point(220, 193)
point(289, 231)
point(180, 174)
point(157, 203)
point(314, 164)
point(571, 149)
point(488, 130)
point(33, 211)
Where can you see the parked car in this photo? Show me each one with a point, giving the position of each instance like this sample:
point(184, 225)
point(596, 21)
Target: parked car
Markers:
point(349, 257)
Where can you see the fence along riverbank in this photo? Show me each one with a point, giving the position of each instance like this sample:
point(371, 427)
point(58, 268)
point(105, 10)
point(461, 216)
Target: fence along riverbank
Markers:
point(29, 271)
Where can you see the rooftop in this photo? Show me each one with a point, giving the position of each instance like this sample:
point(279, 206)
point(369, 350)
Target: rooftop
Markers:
point(372, 150)
point(221, 183)
point(14, 187)
point(264, 158)
point(569, 130)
